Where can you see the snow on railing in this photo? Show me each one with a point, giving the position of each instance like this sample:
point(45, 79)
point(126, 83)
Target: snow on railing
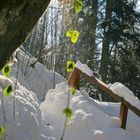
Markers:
point(83, 69)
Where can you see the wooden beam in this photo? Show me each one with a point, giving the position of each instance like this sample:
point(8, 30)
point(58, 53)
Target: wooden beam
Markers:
point(102, 86)
point(123, 115)
point(74, 79)
point(132, 108)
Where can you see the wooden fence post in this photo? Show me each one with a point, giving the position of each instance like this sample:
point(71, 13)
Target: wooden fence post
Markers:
point(74, 80)
point(123, 115)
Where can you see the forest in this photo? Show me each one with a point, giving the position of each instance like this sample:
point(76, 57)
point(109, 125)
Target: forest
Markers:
point(109, 41)
point(59, 58)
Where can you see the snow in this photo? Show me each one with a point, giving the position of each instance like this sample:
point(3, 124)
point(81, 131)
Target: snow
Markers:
point(27, 124)
point(91, 119)
point(84, 68)
point(38, 107)
point(5, 81)
point(36, 79)
point(127, 94)
point(133, 121)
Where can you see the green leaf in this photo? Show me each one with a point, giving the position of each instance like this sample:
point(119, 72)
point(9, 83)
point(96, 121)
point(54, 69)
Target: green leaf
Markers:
point(74, 39)
point(68, 112)
point(67, 125)
point(72, 90)
point(69, 33)
point(6, 70)
point(73, 34)
point(70, 66)
point(2, 130)
point(78, 5)
point(8, 91)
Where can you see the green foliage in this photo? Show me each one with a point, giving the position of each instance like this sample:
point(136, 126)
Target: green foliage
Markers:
point(78, 5)
point(6, 70)
point(68, 112)
point(8, 90)
point(73, 34)
point(67, 125)
point(125, 35)
point(2, 131)
point(70, 66)
point(72, 90)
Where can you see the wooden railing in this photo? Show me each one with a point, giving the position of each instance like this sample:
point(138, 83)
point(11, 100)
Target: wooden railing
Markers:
point(74, 81)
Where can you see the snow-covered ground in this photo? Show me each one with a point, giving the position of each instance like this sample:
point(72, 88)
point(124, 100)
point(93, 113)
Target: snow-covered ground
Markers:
point(35, 78)
point(124, 92)
point(92, 120)
point(27, 123)
point(44, 120)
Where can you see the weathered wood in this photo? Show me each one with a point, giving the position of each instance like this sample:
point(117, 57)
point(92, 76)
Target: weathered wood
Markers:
point(17, 18)
point(125, 105)
point(102, 86)
point(132, 108)
point(74, 79)
point(123, 115)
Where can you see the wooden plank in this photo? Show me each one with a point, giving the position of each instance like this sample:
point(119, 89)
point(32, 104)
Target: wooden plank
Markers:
point(74, 79)
point(132, 108)
point(102, 86)
point(123, 115)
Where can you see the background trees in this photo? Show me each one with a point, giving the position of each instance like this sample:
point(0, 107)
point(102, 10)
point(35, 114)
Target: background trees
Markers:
point(108, 44)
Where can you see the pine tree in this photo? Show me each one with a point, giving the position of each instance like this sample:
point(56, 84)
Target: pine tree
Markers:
point(106, 40)
point(125, 60)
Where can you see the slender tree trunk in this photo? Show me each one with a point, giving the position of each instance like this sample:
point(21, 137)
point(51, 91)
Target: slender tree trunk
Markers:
point(42, 45)
point(94, 26)
point(33, 46)
point(17, 18)
point(106, 41)
point(94, 21)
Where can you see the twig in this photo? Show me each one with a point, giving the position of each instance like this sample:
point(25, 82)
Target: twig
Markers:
point(14, 99)
point(66, 118)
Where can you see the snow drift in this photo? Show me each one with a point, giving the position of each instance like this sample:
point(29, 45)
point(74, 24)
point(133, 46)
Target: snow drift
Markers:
point(33, 75)
point(124, 92)
point(90, 119)
point(27, 123)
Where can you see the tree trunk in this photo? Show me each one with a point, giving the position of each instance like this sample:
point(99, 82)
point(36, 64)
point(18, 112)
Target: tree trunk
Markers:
point(106, 41)
point(94, 20)
point(17, 18)
point(41, 44)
